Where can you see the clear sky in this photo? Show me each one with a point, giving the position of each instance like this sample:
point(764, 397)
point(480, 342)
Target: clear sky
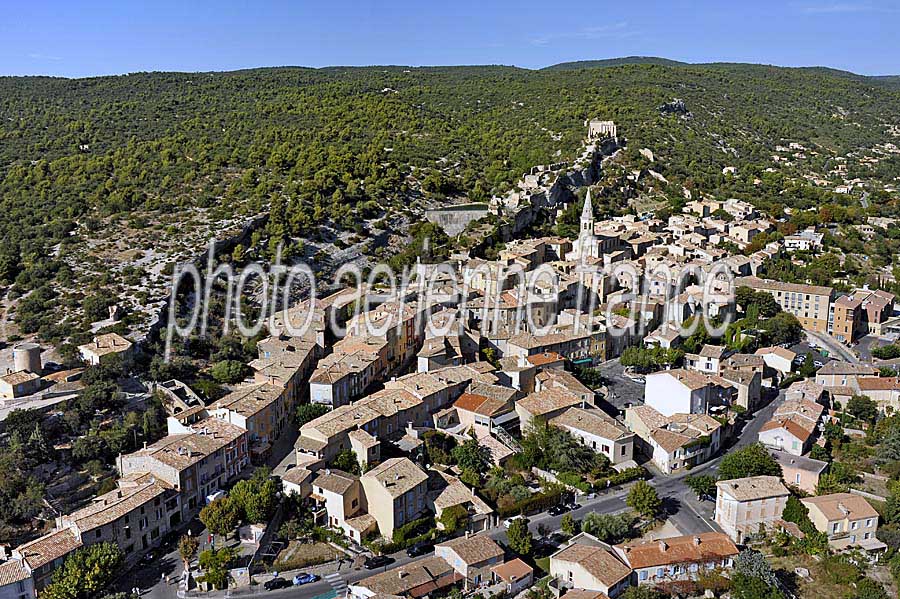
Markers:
point(89, 37)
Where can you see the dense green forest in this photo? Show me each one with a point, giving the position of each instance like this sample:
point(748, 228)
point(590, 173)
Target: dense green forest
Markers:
point(325, 145)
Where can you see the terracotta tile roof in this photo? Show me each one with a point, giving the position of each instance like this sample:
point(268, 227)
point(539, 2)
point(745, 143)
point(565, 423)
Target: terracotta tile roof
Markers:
point(752, 488)
point(19, 377)
point(890, 383)
point(706, 547)
point(839, 367)
point(402, 580)
point(584, 594)
point(549, 400)
point(475, 549)
point(512, 570)
point(397, 475)
point(183, 450)
point(692, 379)
point(111, 506)
point(778, 351)
point(48, 548)
point(712, 351)
point(789, 425)
point(336, 481)
point(770, 285)
point(108, 343)
point(598, 561)
point(11, 572)
point(547, 357)
point(595, 422)
point(249, 400)
point(838, 506)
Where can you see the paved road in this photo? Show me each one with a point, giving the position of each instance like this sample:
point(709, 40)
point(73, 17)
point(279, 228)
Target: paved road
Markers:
point(834, 347)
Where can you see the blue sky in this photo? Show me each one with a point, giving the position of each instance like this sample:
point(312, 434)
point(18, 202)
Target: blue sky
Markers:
point(84, 38)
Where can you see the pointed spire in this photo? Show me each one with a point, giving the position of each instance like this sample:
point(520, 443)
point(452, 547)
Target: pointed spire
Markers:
point(587, 213)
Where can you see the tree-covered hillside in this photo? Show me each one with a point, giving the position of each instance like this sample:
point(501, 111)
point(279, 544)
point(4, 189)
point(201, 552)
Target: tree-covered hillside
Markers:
point(324, 145)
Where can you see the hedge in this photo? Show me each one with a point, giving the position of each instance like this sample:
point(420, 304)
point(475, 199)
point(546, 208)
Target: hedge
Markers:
point(620, 478)
point(536, 503)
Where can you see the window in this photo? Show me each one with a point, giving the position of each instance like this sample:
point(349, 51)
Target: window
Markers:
point(868, 523)
point(797, 478)
point(643, 575)
point(854, 525)
point(836, 527)
point(660, 572)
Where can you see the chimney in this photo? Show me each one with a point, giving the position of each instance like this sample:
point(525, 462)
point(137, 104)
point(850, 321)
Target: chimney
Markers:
point(663, 545)
point(697, 541)
point(401, 574)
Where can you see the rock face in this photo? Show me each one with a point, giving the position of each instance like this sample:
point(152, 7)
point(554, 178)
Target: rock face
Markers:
point(454, 219)
point(676, 106)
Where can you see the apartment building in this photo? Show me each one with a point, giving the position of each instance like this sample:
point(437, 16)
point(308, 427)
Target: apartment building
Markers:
point(135, 516)
point(262, 410)
point(396, 492)
point(674, 442)
point(340, 503)
point(848, 520)
point(859, 313)
point(682, 391)
point(197, 460)
point(415, 579)
point(42, 556)
point(843, 374)
point(344, 375)
point(811, 304)
point(743, 505)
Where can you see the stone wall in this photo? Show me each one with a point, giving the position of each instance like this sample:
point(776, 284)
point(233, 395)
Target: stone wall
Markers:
point(454, 219)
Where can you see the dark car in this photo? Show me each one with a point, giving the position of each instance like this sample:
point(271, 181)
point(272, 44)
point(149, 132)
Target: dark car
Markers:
point(277, 583)
point(377, 561)
point(558, 510)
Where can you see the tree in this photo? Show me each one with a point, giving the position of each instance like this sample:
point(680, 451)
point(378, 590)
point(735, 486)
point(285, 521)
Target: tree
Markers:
point(214, 563)
point(229, 371)
point(187, 549)
point(749, 587)
point(86, 572)
point(703, 484)
point(869, 589)
point(472, 456)
point(644, 499)
point(783, 328)
point(310, 411)
point(453, 518)
point(808, 367)
point(347, 461)
point(754, 564)
point(221, 516)
point(863, 408)
point(568, 525)
point(609, 528)
point(255, 498)
point(519, 536)
point(752, 460)
point(642, 592)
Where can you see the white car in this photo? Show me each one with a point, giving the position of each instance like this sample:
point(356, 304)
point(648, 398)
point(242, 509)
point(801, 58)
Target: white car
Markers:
point(508, 522)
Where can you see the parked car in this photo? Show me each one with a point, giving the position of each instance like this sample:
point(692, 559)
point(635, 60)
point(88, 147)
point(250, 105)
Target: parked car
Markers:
point(276, 583)
point(377, 561)
point(419, 549)
point(305, 578)
point(558, 510)
point(573, 506)
point(818, 364)
point(508, 522)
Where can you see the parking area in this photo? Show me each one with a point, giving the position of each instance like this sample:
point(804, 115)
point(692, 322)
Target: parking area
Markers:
point(621, 390)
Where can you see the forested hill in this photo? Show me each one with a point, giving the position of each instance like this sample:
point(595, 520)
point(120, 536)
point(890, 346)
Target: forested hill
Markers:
point(613, 62)
point(318, 145)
